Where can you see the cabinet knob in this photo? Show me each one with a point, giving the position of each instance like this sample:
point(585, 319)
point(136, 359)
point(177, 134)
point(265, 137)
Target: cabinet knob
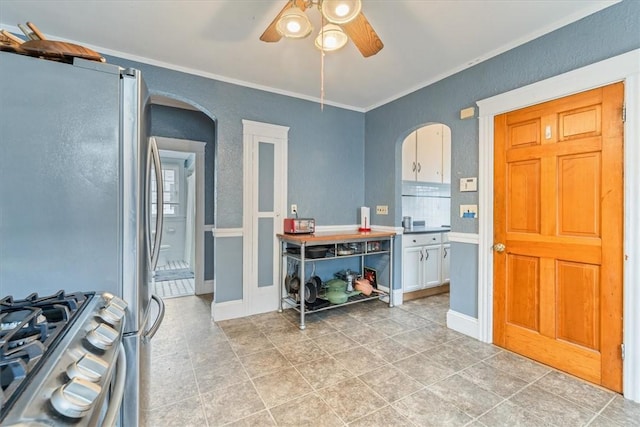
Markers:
point(499, 247)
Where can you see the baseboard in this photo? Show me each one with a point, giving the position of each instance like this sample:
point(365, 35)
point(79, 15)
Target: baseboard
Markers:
point(227, 310)
point(207, 286)
point(204, 287)
point(398, 297)
point(462, 323)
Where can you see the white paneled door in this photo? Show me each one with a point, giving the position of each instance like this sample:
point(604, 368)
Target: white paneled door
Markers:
point(265, 198)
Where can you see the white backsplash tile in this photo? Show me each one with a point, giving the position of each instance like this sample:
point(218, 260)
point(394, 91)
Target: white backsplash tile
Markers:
point(427, 202)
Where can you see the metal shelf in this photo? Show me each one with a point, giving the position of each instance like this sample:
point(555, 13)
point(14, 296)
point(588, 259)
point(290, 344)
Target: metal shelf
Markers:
point(383, 240)
point(352, 300)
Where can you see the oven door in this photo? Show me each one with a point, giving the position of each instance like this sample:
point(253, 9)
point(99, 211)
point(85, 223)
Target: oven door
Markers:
point(136, 390)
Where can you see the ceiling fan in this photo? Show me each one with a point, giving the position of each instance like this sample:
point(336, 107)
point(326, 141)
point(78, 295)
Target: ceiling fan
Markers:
point(345, 21)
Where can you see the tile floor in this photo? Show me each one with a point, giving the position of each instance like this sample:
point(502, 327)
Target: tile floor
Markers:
point(359, 365)
point(174, 288)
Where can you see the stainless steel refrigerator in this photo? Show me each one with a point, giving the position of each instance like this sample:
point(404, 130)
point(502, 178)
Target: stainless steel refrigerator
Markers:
point(75, 194)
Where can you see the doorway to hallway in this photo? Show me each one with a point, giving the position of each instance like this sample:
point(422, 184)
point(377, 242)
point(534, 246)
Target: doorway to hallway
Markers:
point(180, 267)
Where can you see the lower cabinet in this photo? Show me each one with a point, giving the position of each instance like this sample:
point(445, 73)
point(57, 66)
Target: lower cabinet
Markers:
point(425, 261)
point(446, 259)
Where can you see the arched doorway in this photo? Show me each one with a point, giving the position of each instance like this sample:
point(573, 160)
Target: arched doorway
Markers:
point(177, 123)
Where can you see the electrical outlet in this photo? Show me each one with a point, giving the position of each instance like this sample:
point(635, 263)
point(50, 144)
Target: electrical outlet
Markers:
point(468, 211)
point(382, 210)
point(294, 209)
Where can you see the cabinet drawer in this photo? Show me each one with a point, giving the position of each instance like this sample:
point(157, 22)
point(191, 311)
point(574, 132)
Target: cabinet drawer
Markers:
point(409, 240)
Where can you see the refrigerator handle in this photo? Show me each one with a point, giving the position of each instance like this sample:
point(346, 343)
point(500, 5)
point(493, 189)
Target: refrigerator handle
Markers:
point(154, 156)
point(154, 328)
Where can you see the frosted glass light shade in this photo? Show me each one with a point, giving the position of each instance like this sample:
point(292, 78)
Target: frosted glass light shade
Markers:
point(294, 23)
point(340, 11)
point(331, 38)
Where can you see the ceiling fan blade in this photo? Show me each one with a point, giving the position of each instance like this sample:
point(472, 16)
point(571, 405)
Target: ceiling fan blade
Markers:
point(271, 35)
point(363, 36)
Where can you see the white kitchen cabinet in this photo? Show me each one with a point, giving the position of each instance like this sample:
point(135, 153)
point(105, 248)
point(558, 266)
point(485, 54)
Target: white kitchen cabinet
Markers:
point(426, 155)
point(409, 163)
point(446, 155)
point(412, 268)
point(421, 261)
point(432, 264)
point(445, 275)
point(429, 153)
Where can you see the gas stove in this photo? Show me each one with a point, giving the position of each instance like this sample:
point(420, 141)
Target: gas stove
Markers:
point(57, 357)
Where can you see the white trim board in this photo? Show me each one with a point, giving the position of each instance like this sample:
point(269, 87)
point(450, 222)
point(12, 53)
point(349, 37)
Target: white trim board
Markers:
point(462, 323)
point(471, 238)
point(625, 67)
point(227, 232)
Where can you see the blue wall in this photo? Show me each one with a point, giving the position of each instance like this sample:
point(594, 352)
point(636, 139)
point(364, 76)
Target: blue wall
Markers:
point(608, 33)
point(325, 158)
point(328, 149)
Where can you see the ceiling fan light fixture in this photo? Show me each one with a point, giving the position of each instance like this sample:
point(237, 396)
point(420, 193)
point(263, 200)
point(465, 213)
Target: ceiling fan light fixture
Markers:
point(331, 38)
point(340, 11)
point(293, 23)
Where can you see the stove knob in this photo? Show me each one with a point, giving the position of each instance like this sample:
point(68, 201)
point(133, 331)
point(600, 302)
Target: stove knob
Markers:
point(112, 314)
point(76, 398)
point(102, 337)
point(89, 367)
point(114, 300)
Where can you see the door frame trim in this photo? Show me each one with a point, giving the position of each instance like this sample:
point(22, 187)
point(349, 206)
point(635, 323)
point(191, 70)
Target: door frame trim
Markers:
point(261, 299)
point(625, 67)
point(196, 147)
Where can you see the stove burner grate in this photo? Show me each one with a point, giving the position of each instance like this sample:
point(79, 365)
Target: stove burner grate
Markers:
point(29, 327)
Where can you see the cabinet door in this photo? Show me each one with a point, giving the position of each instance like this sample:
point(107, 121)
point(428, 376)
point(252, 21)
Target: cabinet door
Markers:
point(431, 266)
point(412, 269)
point(446, 259)
point(409, 158)
point(446, 155)
point(429, 153)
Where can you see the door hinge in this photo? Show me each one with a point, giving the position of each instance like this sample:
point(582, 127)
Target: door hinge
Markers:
point(622, 350)
point(624, 114)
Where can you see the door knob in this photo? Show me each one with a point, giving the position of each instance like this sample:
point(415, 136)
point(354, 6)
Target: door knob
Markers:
point(499, 247)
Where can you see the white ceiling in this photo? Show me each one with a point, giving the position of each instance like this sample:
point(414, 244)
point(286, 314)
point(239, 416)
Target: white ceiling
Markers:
point(424, 40)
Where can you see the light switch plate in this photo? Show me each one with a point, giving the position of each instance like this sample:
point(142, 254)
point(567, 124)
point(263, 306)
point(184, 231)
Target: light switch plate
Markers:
point(469, 184)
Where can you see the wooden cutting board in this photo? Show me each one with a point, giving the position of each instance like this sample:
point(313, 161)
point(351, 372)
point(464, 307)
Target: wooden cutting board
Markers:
point(59, 50)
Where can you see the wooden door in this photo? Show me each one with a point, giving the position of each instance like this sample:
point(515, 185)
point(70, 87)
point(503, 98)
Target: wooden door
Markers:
point(558, 209)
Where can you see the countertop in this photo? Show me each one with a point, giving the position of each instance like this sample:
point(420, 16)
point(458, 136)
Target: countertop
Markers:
point(333, 237)
point(426, 230)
